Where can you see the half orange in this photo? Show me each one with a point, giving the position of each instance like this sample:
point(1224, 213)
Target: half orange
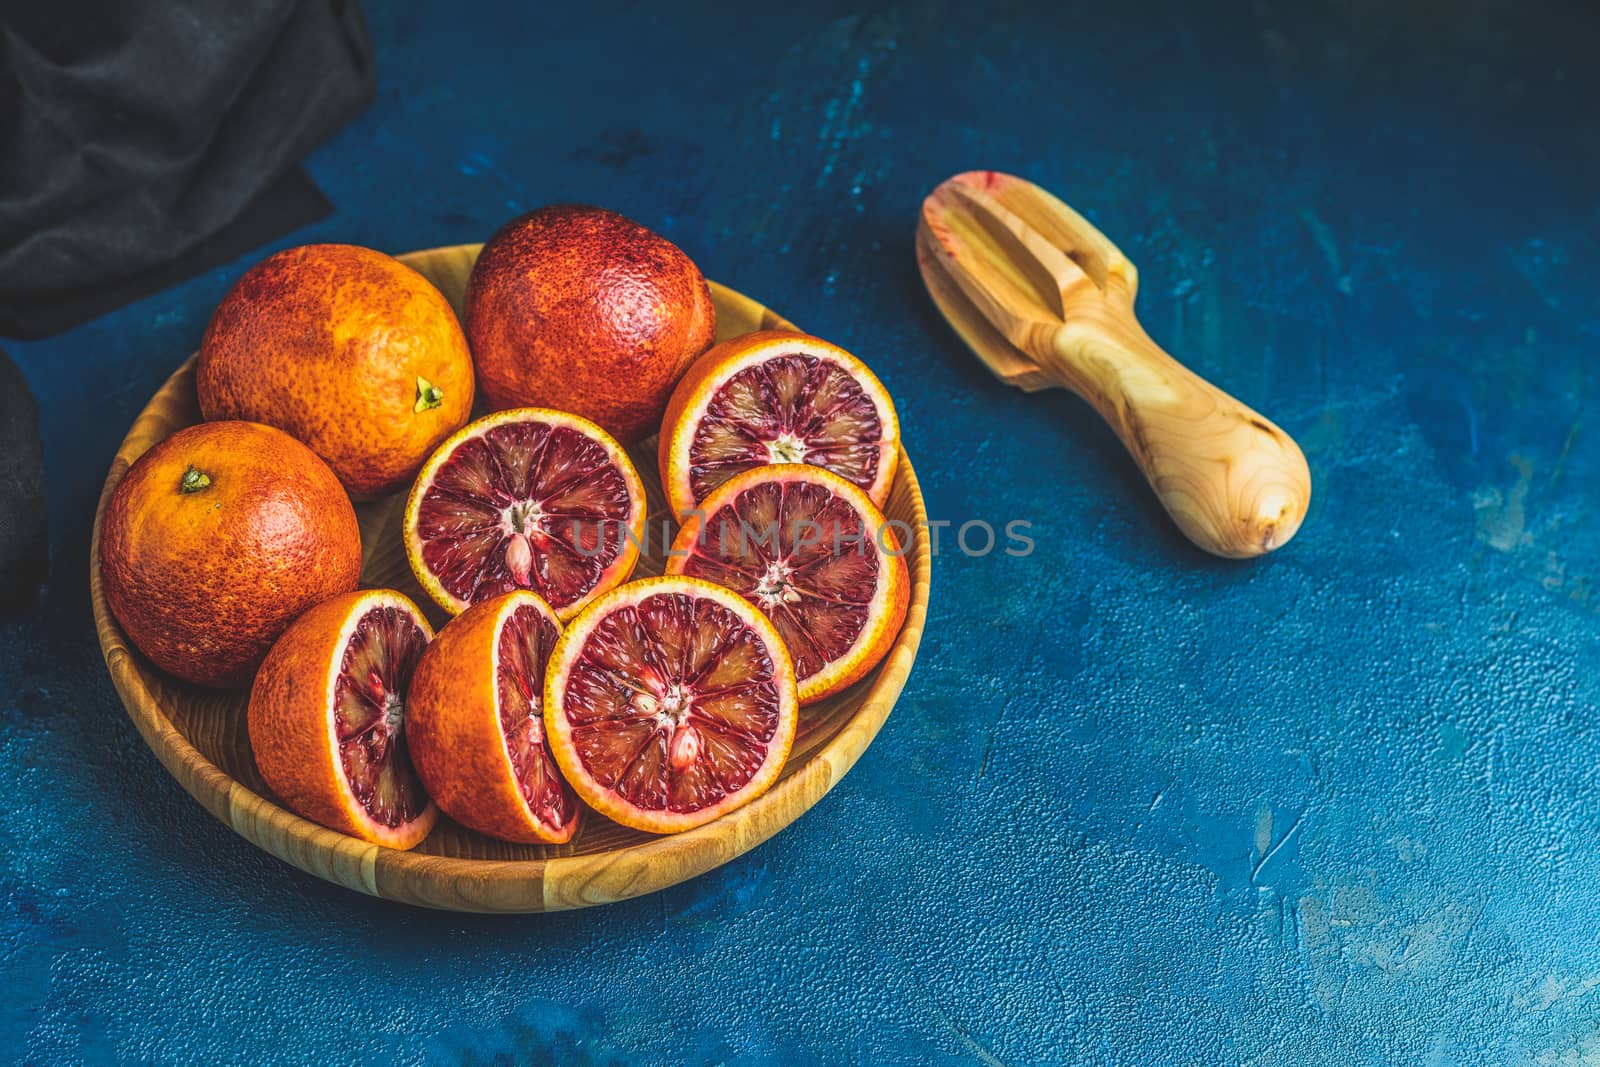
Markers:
point(475, 722)
point(776, 396)
point(669, 702)
point(528, 498)
point(327, 717)
point(816, 556)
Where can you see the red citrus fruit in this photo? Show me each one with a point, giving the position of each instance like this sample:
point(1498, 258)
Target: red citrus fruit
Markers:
point(525, 499)
point(347, 349)
point(475, 722)
point(216, 539)
point(668, 702)
point(776, 397)
point(327, 717)
point(816, 556)
point(581, 309)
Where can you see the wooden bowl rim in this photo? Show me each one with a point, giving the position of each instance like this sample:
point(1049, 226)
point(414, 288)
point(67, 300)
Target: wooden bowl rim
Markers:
point(384, 872)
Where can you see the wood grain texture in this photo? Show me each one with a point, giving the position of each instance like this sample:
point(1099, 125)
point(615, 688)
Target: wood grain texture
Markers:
point(1046, 300)
point(199, 735)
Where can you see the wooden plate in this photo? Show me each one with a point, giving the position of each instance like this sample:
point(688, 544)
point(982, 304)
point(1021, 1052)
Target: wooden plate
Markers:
point(199, 735)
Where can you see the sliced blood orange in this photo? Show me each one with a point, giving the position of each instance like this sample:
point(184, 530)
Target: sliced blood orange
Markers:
point(327, 717)
point(668, 702)
point(776, 396)
point(815, 555)
point(475, 722)
point(525, 499)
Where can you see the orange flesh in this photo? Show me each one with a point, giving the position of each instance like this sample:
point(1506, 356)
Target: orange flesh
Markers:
point(800, 554)
point(369, 715)
point(525, 644)
point(787, 409)
point(524, 506)
point(673, 702)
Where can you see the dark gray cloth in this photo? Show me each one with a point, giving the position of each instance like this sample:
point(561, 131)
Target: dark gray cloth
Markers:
point(24, 551)
point(142, 141)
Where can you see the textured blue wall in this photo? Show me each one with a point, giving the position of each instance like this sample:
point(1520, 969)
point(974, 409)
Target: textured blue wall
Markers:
point(1136, 805)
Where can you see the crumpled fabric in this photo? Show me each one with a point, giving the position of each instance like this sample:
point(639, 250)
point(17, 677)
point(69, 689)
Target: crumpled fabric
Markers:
point(24, 549)
point(144, 141)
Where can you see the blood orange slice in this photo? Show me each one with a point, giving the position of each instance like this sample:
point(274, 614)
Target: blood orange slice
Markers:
point(525, 499)
point(776, 396)
point(668, 702)
point(476, 722)
point(327, 717)
point(815, 555)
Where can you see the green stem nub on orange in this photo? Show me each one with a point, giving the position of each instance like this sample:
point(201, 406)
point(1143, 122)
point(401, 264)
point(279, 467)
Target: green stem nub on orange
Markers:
point(194, 479)
point(429, 396)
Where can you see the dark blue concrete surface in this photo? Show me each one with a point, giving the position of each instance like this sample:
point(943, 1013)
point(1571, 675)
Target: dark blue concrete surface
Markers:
point(1136, 805)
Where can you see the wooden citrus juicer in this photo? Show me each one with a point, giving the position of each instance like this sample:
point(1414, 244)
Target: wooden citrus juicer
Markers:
point(1046, 300)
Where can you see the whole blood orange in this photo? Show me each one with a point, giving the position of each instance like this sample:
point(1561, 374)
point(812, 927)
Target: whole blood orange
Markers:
point(581, 309)
point(525, 499)
point(815, 555)
point(776, 396)
point(475, 722)
point(327, 717)
point(347, 349)
point(216, 539)
point(668, 702)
